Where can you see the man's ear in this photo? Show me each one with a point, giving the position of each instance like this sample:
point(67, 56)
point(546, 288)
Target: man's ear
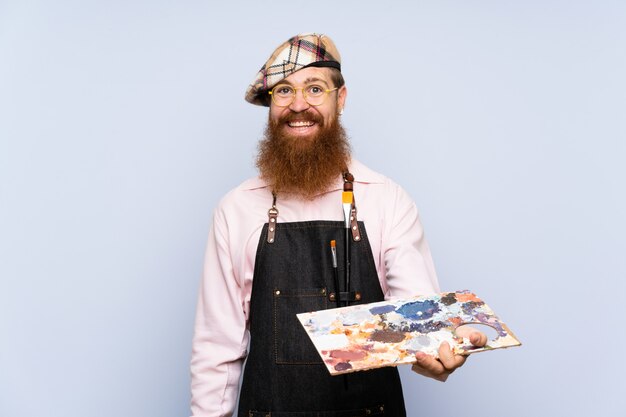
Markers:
point(341, 98)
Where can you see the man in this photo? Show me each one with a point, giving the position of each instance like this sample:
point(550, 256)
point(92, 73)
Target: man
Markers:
point(274, 231)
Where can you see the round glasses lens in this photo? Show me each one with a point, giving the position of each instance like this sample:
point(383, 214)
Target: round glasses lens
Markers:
point(283, 95)
point(315, 95)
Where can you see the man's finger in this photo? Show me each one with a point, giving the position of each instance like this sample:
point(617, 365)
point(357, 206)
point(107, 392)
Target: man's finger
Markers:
point(478, 339)
point(448, 359)
point(428, 363)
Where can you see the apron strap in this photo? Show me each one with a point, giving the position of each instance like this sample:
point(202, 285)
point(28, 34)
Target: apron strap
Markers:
point(348, 180)
point(272, 215)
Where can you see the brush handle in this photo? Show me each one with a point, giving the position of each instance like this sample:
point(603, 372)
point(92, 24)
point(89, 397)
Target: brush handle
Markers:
point(347, 259)
point(337, 288)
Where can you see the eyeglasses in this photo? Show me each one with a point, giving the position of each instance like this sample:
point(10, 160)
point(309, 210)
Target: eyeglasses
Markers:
point(283, 95)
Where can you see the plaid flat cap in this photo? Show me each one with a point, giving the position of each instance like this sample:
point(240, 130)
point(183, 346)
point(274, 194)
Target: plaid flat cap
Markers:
point(301, 51)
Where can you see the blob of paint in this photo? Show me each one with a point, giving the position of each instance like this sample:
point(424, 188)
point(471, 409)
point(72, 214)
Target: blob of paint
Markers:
point(349, 355)
point(423, 340)
point(387, 336)
point(448, 299)
point(382, 309)
point(421, 310)
point(343, 366)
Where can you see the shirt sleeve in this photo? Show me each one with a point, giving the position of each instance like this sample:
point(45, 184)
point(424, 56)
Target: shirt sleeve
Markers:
point(220, 336)
point(409, 265)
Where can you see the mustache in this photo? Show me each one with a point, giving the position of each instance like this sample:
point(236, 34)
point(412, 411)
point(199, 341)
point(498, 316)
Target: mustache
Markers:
point(301, 117)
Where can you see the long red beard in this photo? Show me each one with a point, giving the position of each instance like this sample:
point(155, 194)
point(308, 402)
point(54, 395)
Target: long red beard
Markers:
point(305, 167)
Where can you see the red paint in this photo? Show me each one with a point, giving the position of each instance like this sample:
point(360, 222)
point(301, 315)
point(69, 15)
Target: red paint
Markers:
point(348, 355)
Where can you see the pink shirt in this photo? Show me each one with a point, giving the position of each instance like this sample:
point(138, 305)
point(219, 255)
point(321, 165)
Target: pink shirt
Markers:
point(401, 254)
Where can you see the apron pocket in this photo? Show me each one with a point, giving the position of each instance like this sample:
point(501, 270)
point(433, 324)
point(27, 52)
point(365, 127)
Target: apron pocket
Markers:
point(291, 343)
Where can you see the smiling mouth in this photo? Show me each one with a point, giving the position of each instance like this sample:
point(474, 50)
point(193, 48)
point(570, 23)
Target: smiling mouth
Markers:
point(301, 123)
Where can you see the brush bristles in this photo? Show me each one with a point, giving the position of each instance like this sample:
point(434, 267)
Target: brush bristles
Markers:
point(333, 244)
point(346, 197)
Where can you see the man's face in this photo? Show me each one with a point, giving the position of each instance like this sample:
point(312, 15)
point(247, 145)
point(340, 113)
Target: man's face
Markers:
point(300, 120)
point(305, 149)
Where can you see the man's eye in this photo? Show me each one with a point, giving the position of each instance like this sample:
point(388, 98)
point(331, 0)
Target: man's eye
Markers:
point(283, 91)
point(315, 90)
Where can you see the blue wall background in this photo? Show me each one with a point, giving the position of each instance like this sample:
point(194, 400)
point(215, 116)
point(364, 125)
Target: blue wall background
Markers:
point(123, 122)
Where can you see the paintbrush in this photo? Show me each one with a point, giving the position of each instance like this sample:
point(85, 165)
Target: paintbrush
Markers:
point(333, 249)
point(346, 198)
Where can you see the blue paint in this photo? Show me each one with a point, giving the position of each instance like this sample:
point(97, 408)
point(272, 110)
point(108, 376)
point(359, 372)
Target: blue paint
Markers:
point(418, 326)
point(383, 309)
point(470, 306)
point(419, 310)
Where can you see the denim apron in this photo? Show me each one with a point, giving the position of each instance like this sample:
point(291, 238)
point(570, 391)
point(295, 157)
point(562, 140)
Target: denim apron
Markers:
point(284, 375)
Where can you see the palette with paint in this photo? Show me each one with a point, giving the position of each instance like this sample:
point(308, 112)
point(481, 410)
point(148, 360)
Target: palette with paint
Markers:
point(389, 333)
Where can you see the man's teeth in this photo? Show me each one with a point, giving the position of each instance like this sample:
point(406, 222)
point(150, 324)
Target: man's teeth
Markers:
point(301, 124)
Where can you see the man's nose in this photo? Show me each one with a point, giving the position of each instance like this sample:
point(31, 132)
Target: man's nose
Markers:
point(299, 103)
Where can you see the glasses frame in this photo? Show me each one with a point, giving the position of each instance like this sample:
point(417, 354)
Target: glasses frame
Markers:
point(293, 97)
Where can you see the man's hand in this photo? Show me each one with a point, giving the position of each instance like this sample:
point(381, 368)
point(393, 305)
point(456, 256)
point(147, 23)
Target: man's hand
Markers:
point(440, 369)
